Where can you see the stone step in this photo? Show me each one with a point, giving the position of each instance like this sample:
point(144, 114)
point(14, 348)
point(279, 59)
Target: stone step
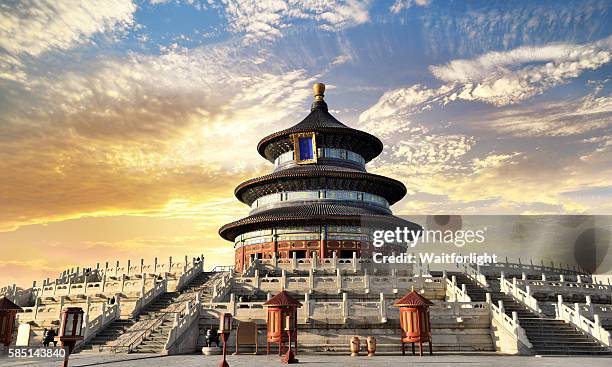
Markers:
point(526, 325)
point(565, 344)
point(556, 337)
point(560, 351)
point(547, 339)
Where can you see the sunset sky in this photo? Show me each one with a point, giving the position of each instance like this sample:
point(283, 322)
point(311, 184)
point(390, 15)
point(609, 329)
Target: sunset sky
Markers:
point(125, 126)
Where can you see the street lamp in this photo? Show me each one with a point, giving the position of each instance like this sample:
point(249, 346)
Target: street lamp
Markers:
point(289, 357)
point(71, 330)
point(225, 326)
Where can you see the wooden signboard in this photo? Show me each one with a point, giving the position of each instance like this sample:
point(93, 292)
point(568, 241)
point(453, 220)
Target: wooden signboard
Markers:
point(246, 334)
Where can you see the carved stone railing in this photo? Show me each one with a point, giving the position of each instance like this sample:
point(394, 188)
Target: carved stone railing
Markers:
point(149, 296)
point(46, 313)
point(344, 311)
point(19, 296)
point(330, 264)
point(575, 317)
point(339, 283)
point(106, 280)
point(511, 337)
point(563, 287)
point(189, 273)
point(455, 293)
point(92, 326)
point(109, 285)
point(222, 287)
point(182, 322)
point(522, 296)
point(474, 274)
point(534, 269)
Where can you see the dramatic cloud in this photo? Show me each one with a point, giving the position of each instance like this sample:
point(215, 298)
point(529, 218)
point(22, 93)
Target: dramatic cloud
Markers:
point(503, 78)
point(486, 161)
point(130, 135)
point(559, 118)
point(391, 114)
point(266, 20)
point(433, 150)
point(464, 30)
point(30, 28)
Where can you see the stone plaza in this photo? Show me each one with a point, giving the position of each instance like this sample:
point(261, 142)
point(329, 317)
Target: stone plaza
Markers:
point(481, 360)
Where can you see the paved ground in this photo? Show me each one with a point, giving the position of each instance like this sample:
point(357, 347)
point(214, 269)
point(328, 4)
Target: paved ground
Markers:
point(454, 360)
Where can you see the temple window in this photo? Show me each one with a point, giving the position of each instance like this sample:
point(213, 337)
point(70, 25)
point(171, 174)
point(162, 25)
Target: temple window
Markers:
point(305, 148)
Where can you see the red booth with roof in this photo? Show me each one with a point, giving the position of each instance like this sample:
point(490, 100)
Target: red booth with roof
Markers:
point(414, 321)
point(279, 307)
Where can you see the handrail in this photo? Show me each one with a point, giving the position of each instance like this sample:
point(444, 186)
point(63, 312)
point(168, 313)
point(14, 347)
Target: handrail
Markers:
point(524, 297)
point(475, 275)
point(574, 317)
point(511, 324)
point(456, 294)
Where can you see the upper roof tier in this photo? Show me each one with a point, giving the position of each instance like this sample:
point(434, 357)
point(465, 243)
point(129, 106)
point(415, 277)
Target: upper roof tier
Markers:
point(331, 133)
point(315, 176)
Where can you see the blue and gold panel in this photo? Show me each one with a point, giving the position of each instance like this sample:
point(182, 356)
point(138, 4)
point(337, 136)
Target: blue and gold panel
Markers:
point(305, 148)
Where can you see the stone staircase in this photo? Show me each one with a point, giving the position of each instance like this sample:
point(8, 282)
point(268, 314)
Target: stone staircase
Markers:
point(110, 333)
point(157, 319)
point(162, 311)
point(547, 335)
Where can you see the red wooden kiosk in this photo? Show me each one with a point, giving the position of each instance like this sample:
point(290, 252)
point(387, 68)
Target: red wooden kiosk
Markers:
point(8, 310)
point(279, 307)
point(414, 321)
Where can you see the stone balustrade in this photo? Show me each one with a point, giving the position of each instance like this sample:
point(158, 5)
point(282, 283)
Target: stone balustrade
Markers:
point(573, 315)
point(455, 293)
point(108, 285)
point(222, 287)
point(338, 283)
point(345, 311)
point(334, 263)
point(589, 309)
point(510, 268)
point(18, 295)
point(474, 274)
point(508, 335)
point(127, 278)
point(155, 267)
point(182, 323)
point(189, 272)
point(146, 297)
point(525, 297)
point(46, 314)
point(93, 325)
point(565, 287)
point(48, 309)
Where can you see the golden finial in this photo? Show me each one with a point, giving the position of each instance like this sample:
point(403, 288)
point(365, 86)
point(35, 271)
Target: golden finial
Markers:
point(319, 90)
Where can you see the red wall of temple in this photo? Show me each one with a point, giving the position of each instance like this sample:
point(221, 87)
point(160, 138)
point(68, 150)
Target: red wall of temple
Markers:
point(284, 250)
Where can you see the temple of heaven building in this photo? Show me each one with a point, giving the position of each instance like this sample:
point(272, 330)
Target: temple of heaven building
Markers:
point(319, 201)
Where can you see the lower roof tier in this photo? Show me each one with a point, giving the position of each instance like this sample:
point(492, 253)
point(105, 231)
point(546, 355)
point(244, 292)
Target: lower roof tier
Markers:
point(317, 177)
point(314, 214)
